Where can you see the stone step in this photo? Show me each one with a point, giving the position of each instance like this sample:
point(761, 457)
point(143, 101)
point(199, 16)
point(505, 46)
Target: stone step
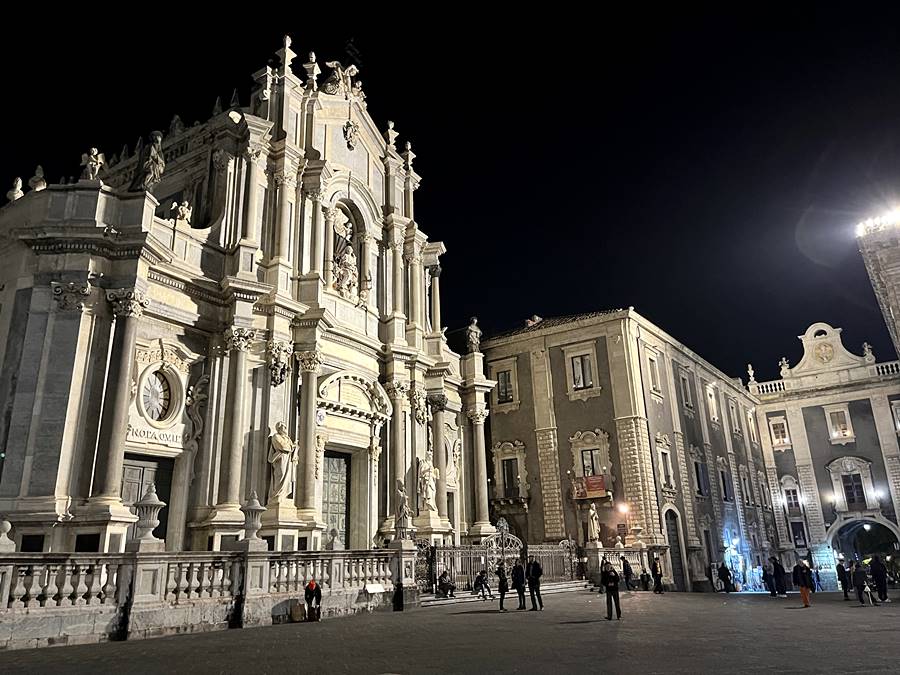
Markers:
point(549, 588)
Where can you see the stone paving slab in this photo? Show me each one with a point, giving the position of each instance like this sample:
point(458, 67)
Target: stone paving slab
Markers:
point(671, 633)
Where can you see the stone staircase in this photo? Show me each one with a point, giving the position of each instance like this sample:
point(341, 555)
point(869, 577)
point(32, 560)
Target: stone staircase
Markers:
point(549, 588)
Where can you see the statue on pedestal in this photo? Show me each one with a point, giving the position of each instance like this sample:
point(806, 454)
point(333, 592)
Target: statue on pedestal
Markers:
point(619, 543)
point(473, 335)
point(403, 517)
point(151, 164)
point(593, 523)
point(92, 161)
point(428, 474)
point(282, 458)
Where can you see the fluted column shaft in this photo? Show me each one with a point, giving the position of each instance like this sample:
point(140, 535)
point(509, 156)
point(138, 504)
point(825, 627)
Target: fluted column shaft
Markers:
point(397, 250)
point(287, 183)
point(438, 403)
point(318, 234)
point(310, 363)
point(397, 390)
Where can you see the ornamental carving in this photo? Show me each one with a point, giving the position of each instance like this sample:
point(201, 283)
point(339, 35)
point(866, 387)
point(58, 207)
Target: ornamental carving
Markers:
point(663, 441)
point(397, 388)
point(309, 362)
point(70, 296)
point(161, 353)
point(278, 356)
point(320, 453)
point(824, 352)
point(286, 179)
point(196, 395)
point(127, 302)
point(341, 79)
point(351, 132)
point(418, 402)
point(239, 339)
point(477, 415)
point(437, 401)
point(221, 159)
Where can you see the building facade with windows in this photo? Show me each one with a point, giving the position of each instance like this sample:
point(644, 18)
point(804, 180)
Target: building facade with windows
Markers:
point(245, 305)
point(607, 409)
point(829, 438)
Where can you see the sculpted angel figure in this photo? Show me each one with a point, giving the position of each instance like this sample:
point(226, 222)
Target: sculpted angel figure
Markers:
point(340, 80)
point(92, 161)
point(282, 458)
point(428, 475)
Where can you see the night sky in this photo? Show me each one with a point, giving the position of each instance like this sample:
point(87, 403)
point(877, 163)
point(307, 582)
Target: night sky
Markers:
point(707, 169)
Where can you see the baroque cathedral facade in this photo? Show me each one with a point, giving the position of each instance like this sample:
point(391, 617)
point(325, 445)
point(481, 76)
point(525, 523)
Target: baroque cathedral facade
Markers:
point(245, 305)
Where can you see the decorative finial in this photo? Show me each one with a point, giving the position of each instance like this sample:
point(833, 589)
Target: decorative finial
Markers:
point(217, 108)
point(16, 192)
point(37, 182)
point(235, 99)
point(287, 41)
point(784, 365)
point(312, 72)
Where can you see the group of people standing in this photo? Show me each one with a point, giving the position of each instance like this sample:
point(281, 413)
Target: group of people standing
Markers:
point(857, 577)
point(520, 577)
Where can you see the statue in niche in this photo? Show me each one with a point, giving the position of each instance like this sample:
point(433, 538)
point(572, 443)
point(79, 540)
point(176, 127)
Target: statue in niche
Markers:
point(428, 474)
point(593, 523)
point(473, 335)
point(151, 164)
point(403, 517)
point(346, 274)
point(282, 458)
point(92, 161)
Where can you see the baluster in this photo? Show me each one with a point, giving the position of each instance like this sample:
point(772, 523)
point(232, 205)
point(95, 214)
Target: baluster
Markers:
point(170, 582)
point(81, 588)
point(193, 579)
point(226, 590)
point(48, 594)
point(33, 585)
point(67, 590)
point(273, 576)
point(109, 588)
point(215, 589)
point(93, 592)
point(182, 581)
point(203, 580)
point(18, 593)
point(292, 576)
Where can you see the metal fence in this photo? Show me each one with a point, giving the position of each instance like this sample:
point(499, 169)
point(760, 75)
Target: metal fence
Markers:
point(465, 562)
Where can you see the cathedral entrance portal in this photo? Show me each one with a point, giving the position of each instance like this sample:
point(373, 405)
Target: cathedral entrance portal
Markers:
point(336, 495)
point(138, 473)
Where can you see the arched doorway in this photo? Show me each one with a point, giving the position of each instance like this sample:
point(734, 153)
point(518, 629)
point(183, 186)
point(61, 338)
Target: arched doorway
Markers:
point(862, 538)
point(676, 557)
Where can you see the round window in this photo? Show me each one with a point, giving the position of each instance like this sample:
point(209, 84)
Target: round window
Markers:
point(157, 396)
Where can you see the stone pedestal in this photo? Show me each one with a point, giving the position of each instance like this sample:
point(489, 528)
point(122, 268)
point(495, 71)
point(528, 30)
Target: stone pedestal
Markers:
point(403, 573)
point(594, 552)
point(430, 526)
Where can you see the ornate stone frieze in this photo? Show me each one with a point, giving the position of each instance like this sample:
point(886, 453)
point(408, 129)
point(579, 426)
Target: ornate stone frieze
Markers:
point(161, 353)
point(239, 339)
point(320, 453)
point(278, 356)
point(418, 403)
point(127, 302)
point(70, 296)
point(310, 362)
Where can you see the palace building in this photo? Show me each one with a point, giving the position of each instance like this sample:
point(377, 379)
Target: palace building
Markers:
point(245, 305)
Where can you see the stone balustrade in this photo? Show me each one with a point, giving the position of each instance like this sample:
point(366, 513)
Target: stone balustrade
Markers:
point(49, 598)
point(887, 368)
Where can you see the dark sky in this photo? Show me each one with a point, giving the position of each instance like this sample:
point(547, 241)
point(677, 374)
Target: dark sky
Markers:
point(707, 169)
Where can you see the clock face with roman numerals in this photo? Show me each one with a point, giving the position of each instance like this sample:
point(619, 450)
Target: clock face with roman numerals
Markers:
point(157, 396)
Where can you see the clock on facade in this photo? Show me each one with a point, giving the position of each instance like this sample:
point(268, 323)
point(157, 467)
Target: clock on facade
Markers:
point(157, 396)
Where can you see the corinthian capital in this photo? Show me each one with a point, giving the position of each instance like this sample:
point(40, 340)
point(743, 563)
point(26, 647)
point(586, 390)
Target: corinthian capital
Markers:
point(70, 296)
point(437, 401)
point(239, 339)
point(478, 415)
point(286, 178)
point(127, 302)
point(397, 388)
point(310, 362)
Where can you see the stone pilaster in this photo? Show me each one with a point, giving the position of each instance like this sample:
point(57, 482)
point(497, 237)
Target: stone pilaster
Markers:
point(551, 491)
point(716, 492)
point(397, 391)
point(887, 439)
point(438, 403)
point(237, 342)
point(690, 524)
point(637, 476)
point(806, 476)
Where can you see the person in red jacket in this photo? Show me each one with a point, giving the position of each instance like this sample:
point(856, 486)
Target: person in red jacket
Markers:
point(313, 596)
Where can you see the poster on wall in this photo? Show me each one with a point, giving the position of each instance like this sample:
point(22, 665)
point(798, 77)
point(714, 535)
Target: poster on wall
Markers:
point(590, 487)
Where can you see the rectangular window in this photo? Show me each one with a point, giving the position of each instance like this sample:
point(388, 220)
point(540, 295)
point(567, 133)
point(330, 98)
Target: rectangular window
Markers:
point(504, 387)
point(745, 487)
point(751, 426)
point(895, 406)
point(733, 417)
point(701, 474)
point(591, 463)
point(686, 391)
point(654, 375)
point(853, 492)
point(792, 499)
point(295, 121)
point(798, 534)
point(511, 477)
point(582, 378)
point(666, 467)
point(727, 490)
point(711, 404)
point(839, 426)
point(779, 433)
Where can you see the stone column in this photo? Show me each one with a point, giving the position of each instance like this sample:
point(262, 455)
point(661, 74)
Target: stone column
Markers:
point(330, 214)
point(237, 342)
point(478, 415)
point(364, 265)
point(436, 299)
point(415, 286)
point(127, 306)
point(286, 184)
point(310, 363)
point(318, 234)
point(438, 403)
point(397, 390)
point(397, 250)
point(251, 227)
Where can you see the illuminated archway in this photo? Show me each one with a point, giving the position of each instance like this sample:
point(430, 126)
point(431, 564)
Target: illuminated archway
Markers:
point(861, 537)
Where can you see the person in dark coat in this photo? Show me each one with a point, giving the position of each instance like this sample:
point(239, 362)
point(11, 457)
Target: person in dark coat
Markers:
point(533, 574)
point(803, 579)
point(645, 580)
point(609, 579)
point(518, 582)
point(843, 579)
point(313, 597)
point(482, 586)
point(502, 583)
point(778, 576)
point(445, 586)
point(859, 578)
point(879, 576)
point(724, 575)
point(627, 573)
point(656, 571)
point(768, 581)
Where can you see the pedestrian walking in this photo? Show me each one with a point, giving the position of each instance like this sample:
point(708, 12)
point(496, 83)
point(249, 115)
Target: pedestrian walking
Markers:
point(818, 585)
point(609, 579)
point(656, 571)
point(502, 583)
point(768, 580)
point(778, 573)
point(843, 579)
point(725, 577)
point(313, 597)
point(879, 576)
point(627, 573)
point(533, 574)
point(518, 582)
point(803, 579)
point(483, 586)
point(645, 579)
point(860, 583)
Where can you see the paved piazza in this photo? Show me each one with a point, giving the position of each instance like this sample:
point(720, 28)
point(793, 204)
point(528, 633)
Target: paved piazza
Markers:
point(673, 633)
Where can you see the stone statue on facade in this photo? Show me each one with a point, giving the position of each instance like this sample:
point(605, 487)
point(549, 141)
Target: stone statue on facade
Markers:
point(334, 544)
point(593, 523)
point(346, 274)
point(37, 182)
point(92, 161)
point(403, 517)
point(151, 164)
point(16, 192)
point(750, 372)
point(340, 81)
point(784, 365)
point(282, 458)
point(183, 212)
point(867, 353)
point(428, 475)
point(619, 543)
point(473, 335)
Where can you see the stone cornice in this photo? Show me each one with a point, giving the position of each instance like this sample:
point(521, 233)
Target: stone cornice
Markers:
point(214, 297)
